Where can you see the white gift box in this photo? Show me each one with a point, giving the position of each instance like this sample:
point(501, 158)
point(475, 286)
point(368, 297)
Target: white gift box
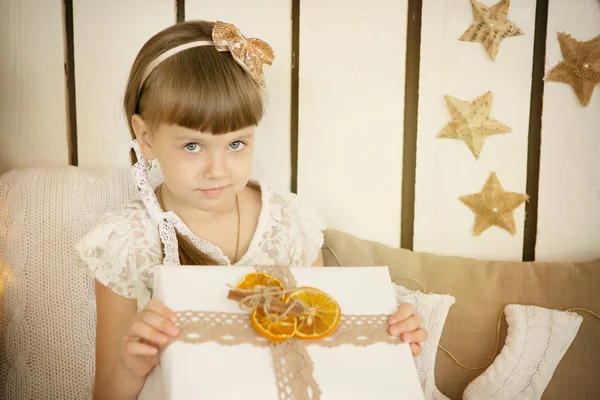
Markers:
point(214, 371)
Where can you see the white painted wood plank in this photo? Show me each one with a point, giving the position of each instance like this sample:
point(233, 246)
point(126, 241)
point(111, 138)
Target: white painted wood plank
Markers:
point(269, 20)
point(569, 189)
point(446, 169)
point(33, 119)
point(352, 70)
point(108, 35)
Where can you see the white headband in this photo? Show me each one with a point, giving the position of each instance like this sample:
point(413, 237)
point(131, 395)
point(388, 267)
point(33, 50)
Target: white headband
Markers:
point(169, 53)
point(251, 53)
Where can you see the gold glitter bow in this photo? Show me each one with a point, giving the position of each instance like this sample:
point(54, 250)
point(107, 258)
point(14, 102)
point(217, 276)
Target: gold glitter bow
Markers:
point(251, 53)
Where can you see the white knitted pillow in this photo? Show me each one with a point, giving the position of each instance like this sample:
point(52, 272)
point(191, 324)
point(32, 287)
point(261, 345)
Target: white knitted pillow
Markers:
point(536, 341)
point(49, 325)
point(432, 309)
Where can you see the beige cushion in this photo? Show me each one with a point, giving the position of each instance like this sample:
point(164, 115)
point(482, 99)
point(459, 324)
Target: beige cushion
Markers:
point(482, 290)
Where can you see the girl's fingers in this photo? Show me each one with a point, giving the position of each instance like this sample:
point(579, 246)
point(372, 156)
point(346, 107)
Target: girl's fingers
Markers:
point(141, 349)
point(416, 349)
point(410, 324)
point(141, 330)
point(405, 310)
point(159, 323)
point(418, 336)
point(159, 308)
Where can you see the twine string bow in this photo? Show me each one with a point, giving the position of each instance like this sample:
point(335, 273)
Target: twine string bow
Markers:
point(264, 296)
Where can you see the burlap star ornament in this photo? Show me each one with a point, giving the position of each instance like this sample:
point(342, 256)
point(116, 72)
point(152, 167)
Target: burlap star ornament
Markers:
point(493, 206)
point(471, 122)
point(490, 26)
point(580, 68)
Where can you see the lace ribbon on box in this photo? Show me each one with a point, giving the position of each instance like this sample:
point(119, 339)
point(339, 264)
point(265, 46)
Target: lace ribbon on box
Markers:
point(291, 361)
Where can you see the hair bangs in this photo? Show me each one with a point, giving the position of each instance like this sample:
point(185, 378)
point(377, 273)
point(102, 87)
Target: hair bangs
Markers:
point(201, 89)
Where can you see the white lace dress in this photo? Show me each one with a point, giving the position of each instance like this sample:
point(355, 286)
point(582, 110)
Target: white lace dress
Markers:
point(123, 247)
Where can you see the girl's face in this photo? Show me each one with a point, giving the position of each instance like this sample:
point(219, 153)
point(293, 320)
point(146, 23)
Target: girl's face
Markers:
point(202, 170)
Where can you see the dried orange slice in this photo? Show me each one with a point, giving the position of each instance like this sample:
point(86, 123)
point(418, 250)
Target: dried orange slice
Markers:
point(322, 316)
point(250, 281)
point(275, 331)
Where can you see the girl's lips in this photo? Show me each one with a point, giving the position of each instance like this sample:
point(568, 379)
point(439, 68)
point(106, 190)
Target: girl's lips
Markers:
point(212, 192)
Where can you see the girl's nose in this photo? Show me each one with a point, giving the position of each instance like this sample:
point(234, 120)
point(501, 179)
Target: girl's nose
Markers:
point(216, 168)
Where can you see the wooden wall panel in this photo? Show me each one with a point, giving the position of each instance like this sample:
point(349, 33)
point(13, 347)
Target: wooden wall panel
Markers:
point(446, 168)
point(569, 184)
point(107, 37)
point(352, 70)
point(33, 112)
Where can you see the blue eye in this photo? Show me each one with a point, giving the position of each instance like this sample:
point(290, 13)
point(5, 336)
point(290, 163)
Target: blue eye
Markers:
point(236, 146)
point(192, 147)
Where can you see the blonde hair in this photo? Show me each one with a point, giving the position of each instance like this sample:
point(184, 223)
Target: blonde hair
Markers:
point(199, 88)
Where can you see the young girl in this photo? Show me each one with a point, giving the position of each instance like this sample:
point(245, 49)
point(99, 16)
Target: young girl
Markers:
point(194, 96)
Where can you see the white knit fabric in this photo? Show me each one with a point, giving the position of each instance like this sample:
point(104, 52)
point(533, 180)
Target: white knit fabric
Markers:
point(536, 341)
point(48, 308)
point(432, 309)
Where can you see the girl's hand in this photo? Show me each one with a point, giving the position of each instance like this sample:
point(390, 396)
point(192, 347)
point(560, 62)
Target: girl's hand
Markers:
point(146, 333)
point(407, 325)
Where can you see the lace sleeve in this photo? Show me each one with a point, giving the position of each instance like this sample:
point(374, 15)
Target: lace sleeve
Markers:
point(309, 228)
point(119, 252)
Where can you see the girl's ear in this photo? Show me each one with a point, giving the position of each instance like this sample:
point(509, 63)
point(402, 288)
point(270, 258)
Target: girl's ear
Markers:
point(143, 136)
